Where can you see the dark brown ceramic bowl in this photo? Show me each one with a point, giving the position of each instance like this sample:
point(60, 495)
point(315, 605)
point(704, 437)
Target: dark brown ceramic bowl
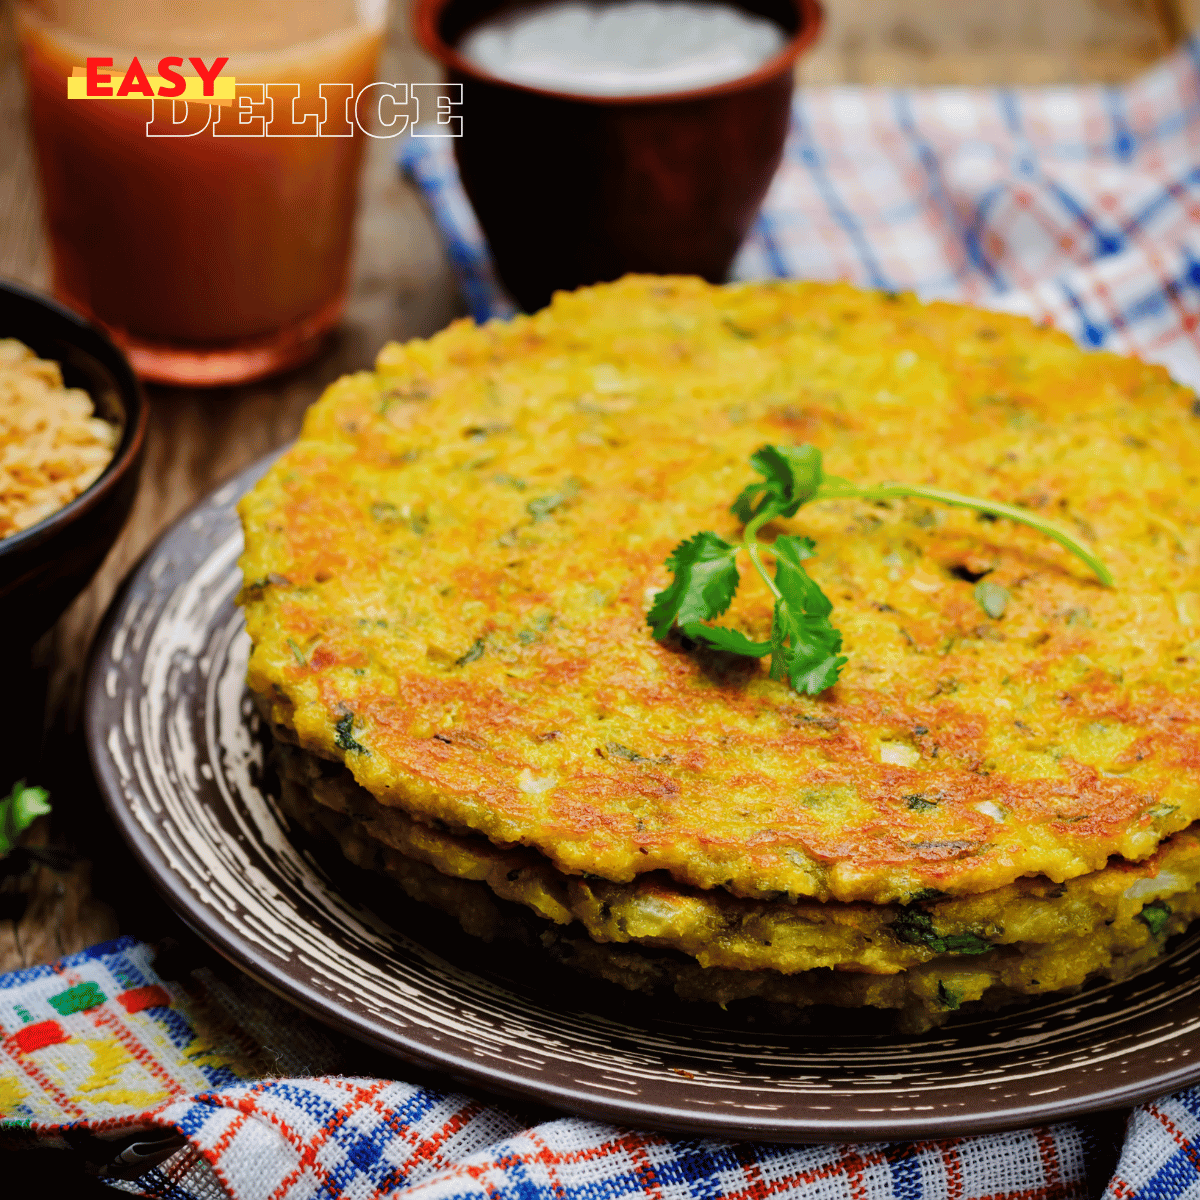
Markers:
point(572, 190)
point(43, 568)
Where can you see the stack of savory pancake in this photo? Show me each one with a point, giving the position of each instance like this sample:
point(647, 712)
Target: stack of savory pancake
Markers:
point(447, 581)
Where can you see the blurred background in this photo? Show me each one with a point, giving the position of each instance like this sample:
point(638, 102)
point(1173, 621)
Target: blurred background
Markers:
point(402, 287)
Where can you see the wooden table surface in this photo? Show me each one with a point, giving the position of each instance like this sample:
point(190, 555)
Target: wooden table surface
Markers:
point(402, 288)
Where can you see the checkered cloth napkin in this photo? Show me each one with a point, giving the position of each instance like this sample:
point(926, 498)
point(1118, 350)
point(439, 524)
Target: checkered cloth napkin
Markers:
point(151, 1073)
point(1076, 205)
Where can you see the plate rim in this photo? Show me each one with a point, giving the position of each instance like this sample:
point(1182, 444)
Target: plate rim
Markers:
point(399, 1045)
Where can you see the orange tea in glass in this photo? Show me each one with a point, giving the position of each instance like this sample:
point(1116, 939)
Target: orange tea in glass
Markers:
point(213, 241)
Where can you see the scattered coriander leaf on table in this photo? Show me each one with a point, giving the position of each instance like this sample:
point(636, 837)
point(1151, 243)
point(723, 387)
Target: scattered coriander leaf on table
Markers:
point(18, 810)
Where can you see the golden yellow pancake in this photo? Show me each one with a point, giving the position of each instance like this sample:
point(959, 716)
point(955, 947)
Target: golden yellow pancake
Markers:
point(923, 995)
point(720, 930)
point(447, 581)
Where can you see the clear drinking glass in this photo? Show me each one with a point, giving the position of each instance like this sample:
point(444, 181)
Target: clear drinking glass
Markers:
point(212, 241)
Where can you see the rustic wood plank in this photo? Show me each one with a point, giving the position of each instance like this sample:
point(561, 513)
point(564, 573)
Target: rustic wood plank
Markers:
point(23, 255)
point(59, 914)
point(1186, 14)
point(1019, 41)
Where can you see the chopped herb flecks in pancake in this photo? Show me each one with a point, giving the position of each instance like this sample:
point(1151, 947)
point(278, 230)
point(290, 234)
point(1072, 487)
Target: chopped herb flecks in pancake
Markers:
point(462, 551)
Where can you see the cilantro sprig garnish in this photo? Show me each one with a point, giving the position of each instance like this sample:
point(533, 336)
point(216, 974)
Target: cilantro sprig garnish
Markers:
point(804, 645)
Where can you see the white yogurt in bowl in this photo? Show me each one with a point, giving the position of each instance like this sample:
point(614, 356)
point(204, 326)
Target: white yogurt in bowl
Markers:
point(623, 47)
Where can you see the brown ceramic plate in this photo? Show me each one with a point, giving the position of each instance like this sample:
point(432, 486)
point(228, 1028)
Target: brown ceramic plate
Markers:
point(175, 745)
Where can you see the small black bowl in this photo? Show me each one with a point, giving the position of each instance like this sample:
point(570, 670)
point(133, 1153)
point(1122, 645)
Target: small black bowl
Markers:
point(43, 568)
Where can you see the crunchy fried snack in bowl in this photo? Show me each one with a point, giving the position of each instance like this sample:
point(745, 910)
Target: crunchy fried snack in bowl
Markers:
point(53, 446)
point(73, 423)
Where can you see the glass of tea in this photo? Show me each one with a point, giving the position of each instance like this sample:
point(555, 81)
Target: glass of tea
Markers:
point(212, 240)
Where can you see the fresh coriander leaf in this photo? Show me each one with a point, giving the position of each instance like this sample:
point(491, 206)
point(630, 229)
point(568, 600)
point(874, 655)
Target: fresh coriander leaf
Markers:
point(794, 549)
point(821, 675)
point(804, 650)
point(18, 810)
point(792, 474)
point(1155, 915)
point(804, 645)
point(344, 735)
point(992, 598)
point(743, 507)
point(834, 488)
point(807, 472)
point(706, 577)
point(807, 671)
point(717, 637)
point(793, 581)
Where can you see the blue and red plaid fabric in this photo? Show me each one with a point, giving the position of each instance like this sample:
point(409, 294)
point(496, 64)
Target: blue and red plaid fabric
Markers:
point(368, 1138)
point(99, 1042)
point(1077, 205)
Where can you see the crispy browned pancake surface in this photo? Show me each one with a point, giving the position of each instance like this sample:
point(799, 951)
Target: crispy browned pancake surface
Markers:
point(447, 582)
